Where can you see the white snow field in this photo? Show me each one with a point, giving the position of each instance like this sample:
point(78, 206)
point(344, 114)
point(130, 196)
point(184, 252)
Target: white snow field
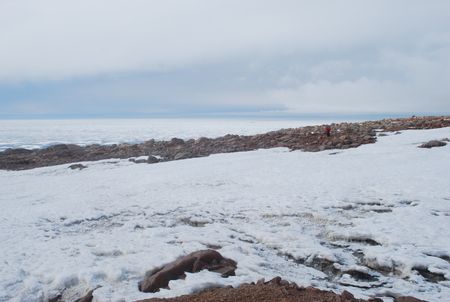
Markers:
point(381, 212)
point(33, 134)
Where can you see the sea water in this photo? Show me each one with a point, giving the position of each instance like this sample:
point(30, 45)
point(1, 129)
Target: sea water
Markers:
point(31, 134)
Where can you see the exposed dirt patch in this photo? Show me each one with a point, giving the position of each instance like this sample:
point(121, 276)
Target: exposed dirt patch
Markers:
point(276, 290)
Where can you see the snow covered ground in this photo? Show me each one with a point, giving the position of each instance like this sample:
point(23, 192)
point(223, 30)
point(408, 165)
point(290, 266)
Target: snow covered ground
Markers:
point(380, 212)
point(32, 134)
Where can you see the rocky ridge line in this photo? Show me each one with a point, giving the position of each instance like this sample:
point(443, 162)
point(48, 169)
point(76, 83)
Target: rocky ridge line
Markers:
point(310, 138)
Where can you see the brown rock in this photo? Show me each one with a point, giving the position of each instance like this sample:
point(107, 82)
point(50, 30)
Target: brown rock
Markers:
point(347, 295)
point(408, 299)
point(192, 263)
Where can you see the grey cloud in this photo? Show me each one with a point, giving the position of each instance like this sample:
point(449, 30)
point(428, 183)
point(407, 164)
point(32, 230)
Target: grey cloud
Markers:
point(287, 56)
point(53, 39)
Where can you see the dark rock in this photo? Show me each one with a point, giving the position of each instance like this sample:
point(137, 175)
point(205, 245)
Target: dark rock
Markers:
point(152, 160)
point(432, 144)
point(275, 281)
point(17, 151)
point(181, 155)
point(408, 299)
point(88, 297)
point(347, 295)
point(428, 275)
point(176, 141)
point(55, 299)
point(77, 166)
point(192, 263)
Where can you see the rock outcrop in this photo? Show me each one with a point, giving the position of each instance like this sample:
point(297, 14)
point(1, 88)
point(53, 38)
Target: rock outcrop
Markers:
point(192, 263)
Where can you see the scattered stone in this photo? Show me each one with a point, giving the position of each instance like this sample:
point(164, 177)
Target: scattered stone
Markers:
point(77, 166)
point(192, 222)
point(432, 144)
point(192, 263)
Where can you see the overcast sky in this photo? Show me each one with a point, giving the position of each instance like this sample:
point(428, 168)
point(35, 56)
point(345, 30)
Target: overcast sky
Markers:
point(127, 58)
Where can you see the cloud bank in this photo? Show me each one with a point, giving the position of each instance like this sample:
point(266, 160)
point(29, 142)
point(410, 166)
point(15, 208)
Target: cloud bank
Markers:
point(210, 56)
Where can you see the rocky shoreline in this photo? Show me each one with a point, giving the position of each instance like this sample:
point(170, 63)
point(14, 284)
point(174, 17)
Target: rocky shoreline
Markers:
point(310, 138)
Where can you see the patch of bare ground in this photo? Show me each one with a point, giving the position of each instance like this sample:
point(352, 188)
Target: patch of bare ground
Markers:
point(276, 290)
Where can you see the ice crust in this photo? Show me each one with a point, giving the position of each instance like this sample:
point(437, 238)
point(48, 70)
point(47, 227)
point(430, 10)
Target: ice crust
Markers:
point(382, 209)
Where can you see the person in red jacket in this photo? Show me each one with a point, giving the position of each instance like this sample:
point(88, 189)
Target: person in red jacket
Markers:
point(328, 130)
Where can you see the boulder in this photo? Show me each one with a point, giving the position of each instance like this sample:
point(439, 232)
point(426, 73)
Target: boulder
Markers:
point(181, 155)
point(77, 166)
point(176, 141)
point(152, 159)
point(432, 144)
point(191, 263)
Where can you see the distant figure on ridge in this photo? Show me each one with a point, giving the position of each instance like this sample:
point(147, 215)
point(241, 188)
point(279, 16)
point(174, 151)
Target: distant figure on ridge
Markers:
point(328, 130)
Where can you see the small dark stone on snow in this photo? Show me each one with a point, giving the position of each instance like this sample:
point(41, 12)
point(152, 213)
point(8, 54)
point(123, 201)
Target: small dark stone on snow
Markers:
point(432, 144)
point(77, 166)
